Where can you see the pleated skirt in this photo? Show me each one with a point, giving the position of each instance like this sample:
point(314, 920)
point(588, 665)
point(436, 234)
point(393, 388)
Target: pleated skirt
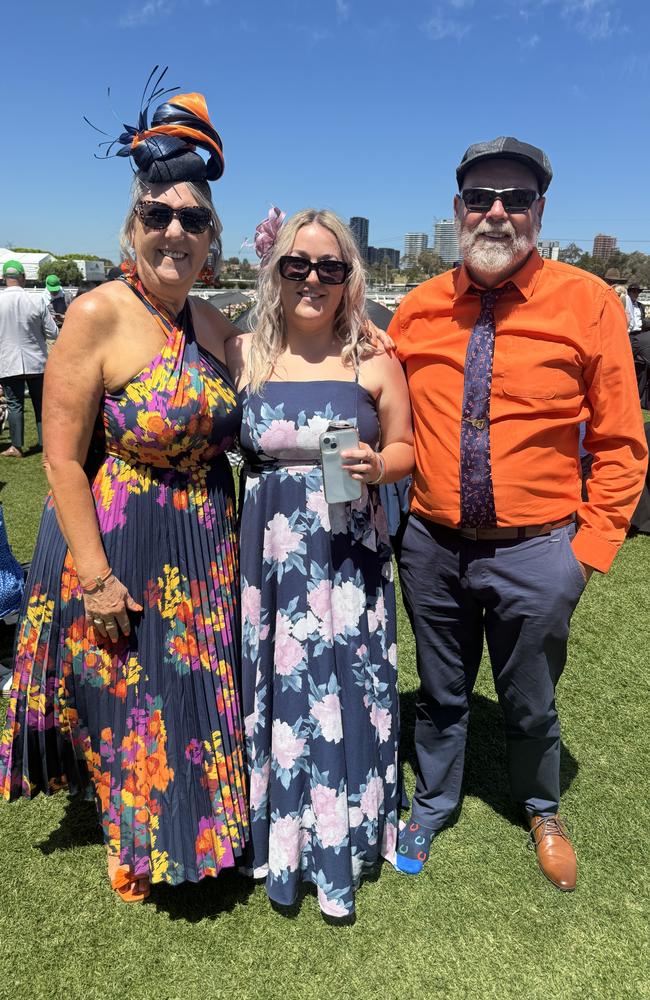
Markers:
point(151, 723)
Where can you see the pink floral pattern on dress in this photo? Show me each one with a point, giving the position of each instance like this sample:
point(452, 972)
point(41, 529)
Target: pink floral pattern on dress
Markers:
point(319, 654)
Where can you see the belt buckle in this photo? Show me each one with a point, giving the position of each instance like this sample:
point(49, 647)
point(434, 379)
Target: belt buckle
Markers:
point(470, 533)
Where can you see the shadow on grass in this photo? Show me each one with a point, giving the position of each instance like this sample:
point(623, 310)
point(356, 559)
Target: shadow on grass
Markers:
point(204, 900)
point(7, 641)
point(78, 827)
point(486, 772)
point(211, 897)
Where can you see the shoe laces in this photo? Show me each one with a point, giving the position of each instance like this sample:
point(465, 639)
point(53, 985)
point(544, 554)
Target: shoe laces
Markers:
point(554, 826)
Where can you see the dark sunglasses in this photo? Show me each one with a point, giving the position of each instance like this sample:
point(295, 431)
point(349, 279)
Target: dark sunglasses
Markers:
point(156, 215)
point(513, 199)
point(329, 272)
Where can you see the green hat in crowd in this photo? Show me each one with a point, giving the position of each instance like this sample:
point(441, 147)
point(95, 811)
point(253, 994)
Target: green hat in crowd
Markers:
point(53, 284)
point(12, 269)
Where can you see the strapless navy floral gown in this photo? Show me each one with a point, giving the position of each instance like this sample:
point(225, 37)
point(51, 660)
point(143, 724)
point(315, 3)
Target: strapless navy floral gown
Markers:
point(319, 652)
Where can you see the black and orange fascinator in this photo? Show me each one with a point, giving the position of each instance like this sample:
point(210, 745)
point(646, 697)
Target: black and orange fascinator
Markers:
point(165, 151)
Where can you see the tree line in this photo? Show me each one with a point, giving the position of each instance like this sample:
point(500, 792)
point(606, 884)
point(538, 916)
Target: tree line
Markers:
point(632, 266)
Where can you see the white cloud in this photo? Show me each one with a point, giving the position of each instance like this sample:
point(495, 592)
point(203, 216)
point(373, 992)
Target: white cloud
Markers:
point(595, 20)
point(342, 10)
point(314, 36)
point(441, 25)
point(635, 65)
point(592, 18)
point(149, 11)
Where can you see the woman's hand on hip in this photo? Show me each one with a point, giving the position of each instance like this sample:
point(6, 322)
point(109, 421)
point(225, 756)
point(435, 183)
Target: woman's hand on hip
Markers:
point(107, 609)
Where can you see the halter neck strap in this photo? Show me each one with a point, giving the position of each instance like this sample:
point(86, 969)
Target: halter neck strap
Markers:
point(165, 318)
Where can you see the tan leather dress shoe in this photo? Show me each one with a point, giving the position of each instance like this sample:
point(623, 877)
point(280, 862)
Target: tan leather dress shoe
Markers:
point(555, 855)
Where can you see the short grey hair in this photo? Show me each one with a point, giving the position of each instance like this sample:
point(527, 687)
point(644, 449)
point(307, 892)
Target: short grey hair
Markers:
point(200, 190)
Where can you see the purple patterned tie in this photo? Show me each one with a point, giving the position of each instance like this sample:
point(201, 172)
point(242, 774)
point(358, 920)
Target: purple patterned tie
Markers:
point(477, 508)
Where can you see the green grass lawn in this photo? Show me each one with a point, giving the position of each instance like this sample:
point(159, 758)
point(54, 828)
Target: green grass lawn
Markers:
point(481, 922)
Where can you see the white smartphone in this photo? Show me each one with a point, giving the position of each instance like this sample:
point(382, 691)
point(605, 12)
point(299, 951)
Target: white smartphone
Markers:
point(338, 484)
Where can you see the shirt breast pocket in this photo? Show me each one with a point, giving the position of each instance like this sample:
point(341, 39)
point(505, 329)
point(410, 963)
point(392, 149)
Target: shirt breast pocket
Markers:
point(544, 375)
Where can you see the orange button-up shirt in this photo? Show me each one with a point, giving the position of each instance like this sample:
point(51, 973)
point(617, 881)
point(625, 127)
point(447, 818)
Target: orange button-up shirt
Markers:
point(562, 356)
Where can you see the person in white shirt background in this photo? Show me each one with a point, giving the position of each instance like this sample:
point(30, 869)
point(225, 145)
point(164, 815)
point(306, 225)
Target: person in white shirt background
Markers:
point(634, 309)
point(639, 337)
point(25, 323)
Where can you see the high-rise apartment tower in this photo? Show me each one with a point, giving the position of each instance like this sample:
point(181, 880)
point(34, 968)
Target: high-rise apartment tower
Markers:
point(446, 241)
point(359, 227)
point(604, 246)
point(414, 244)
point(383, 255)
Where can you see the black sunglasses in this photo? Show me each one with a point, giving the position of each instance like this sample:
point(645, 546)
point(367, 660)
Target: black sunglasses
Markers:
point(513, 199)
point(329, 272)
point(157, 215)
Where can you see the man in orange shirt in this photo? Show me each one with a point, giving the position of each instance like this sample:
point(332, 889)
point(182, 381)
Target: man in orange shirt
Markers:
point(505, 357)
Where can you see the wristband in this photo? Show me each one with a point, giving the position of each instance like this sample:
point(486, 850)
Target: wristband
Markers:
point(99, 582)
point(382, 470)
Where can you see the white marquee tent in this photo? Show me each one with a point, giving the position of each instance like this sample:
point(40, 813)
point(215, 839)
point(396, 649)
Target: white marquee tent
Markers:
point(30, 261)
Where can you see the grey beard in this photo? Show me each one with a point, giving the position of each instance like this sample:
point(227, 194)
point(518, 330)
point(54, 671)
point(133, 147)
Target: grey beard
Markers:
point(495, 257)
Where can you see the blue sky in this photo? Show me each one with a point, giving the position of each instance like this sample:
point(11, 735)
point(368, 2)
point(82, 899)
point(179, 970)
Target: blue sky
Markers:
point(362, 106)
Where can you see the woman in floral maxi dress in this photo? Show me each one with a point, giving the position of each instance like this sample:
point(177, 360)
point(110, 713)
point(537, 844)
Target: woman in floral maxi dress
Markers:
point(318, 602)
point(127, 662)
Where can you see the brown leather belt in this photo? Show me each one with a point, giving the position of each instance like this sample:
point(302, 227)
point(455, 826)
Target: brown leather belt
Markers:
point(512, 534)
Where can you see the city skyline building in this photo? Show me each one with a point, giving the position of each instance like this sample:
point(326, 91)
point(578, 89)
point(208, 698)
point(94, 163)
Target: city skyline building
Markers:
point(383, 255)
point(414, 245)
point(549, 249)
point(445, 241)
point(604, 246)
point(359, 226)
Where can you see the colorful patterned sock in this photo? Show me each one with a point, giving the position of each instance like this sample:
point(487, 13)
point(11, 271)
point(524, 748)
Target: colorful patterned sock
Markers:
point(413, 848)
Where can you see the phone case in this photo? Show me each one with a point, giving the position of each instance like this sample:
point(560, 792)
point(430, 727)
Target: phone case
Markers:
point(338, 484)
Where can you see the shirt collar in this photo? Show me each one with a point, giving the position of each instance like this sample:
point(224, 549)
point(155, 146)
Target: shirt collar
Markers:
point(524, 279)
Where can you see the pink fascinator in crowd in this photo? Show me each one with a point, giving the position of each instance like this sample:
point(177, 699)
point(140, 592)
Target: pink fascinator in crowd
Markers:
point(267, 233)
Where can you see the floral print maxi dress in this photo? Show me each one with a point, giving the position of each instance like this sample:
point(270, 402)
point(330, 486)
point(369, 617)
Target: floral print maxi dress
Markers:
point(318, 654)
point(152, 723)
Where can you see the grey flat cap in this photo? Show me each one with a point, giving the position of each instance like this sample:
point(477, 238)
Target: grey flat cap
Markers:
point(507, 148)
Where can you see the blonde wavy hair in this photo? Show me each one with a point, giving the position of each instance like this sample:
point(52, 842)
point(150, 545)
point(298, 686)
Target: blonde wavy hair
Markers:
point(267, 322)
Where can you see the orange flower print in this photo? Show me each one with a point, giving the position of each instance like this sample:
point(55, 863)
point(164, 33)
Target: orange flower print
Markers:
point(181, 500)
point(118, 718)
point(153, 423)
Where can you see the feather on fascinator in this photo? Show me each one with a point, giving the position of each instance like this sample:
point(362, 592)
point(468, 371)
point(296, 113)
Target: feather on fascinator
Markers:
point(165, 150)
point(266, 233)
